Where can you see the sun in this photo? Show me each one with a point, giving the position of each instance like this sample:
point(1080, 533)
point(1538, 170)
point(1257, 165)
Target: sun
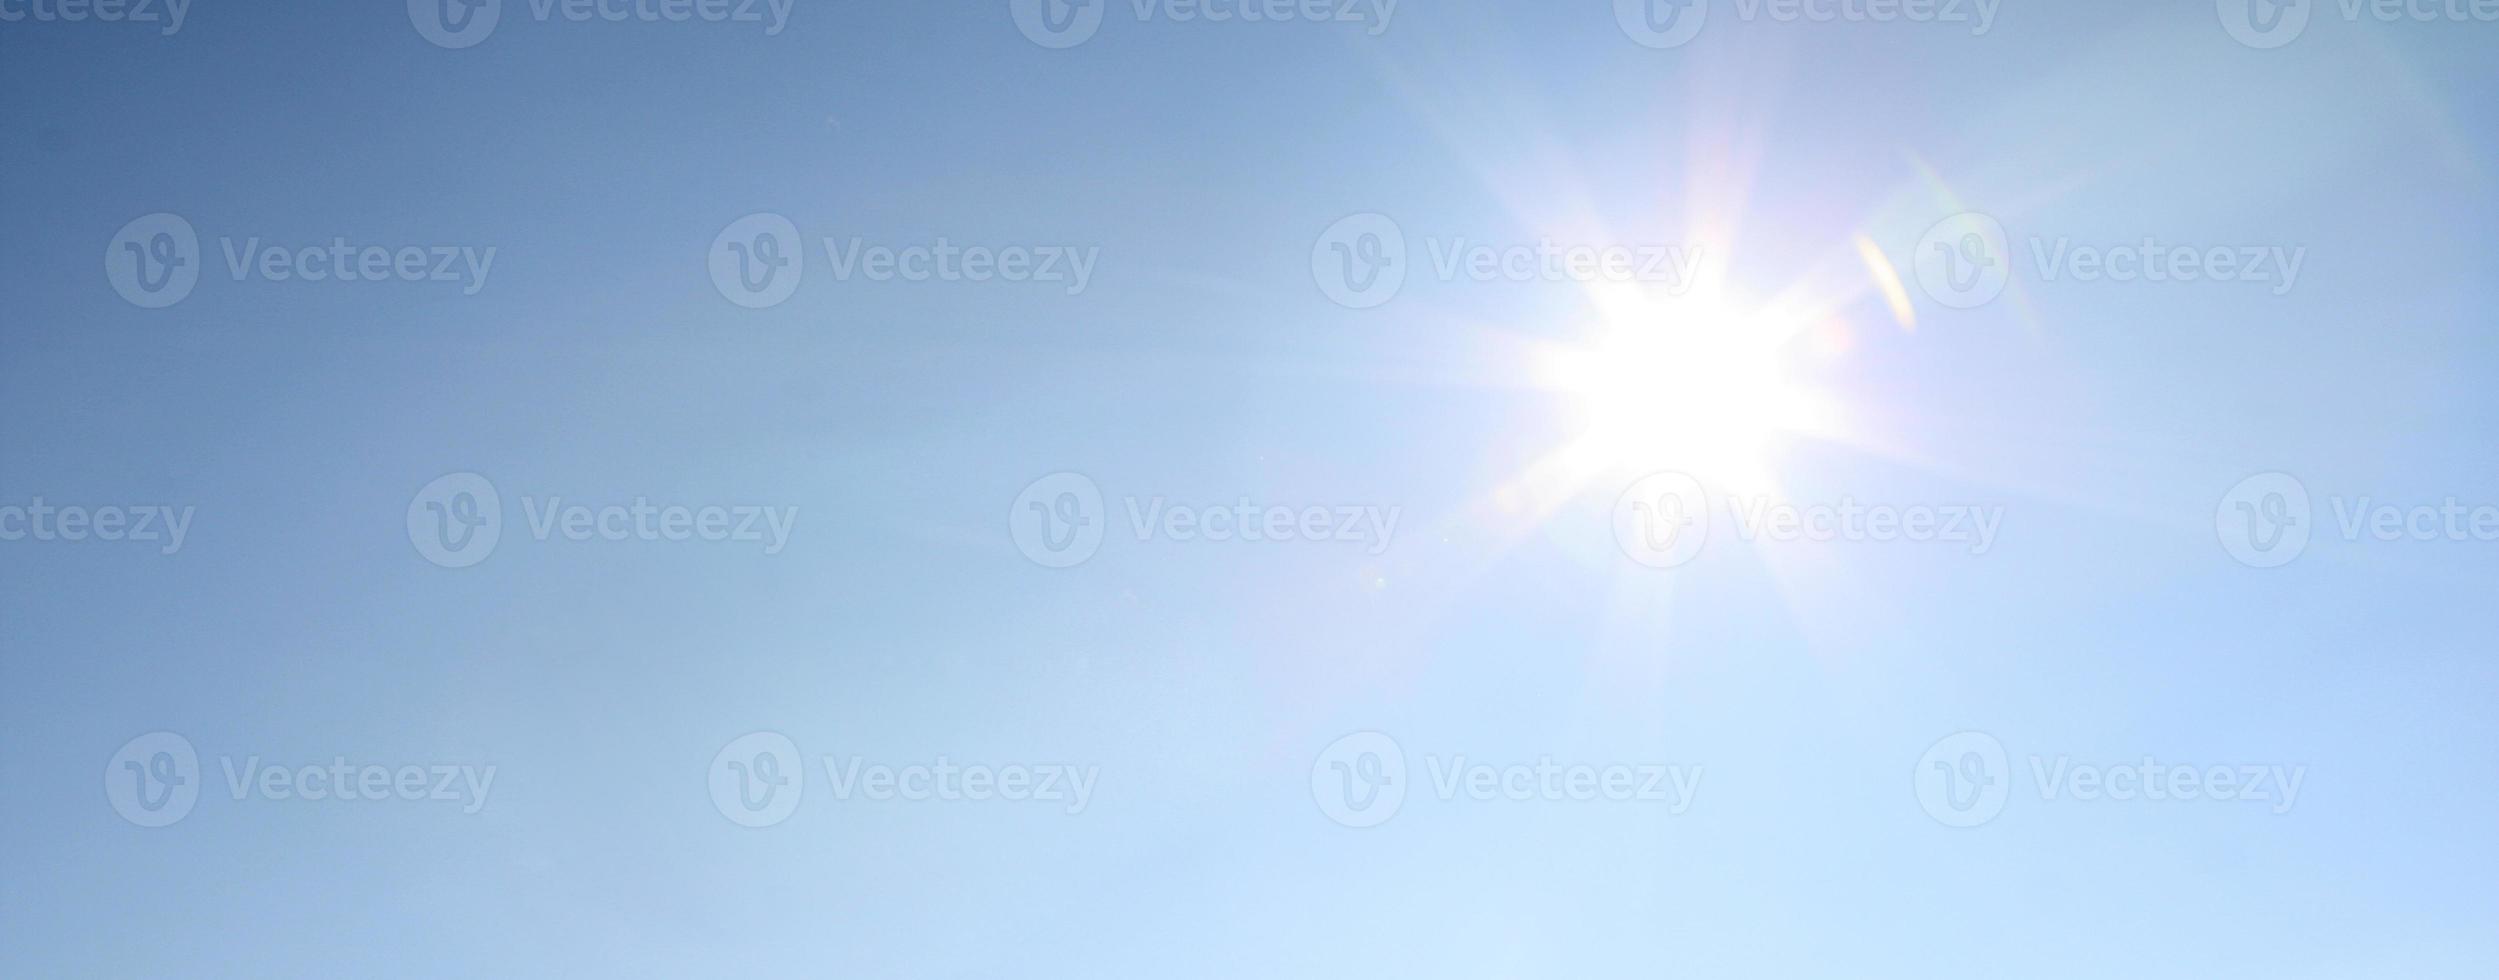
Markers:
point(1690, 387)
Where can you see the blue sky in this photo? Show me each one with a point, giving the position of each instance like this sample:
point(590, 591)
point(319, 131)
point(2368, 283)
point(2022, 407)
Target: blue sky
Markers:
point(1469, 594)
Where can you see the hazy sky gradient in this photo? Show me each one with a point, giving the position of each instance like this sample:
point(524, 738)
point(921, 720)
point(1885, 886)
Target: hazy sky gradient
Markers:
point(1202, 364)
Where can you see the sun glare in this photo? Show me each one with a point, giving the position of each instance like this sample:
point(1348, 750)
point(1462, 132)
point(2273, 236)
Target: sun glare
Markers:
point(1703, 391)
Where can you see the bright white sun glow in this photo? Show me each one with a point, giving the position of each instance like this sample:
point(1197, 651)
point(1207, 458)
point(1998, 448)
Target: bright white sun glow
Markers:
point(1699, 389)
